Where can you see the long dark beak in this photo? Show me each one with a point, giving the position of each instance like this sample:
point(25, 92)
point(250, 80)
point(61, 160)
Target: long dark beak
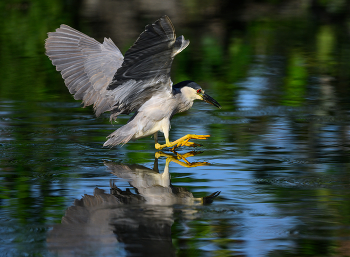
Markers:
point(210, 100)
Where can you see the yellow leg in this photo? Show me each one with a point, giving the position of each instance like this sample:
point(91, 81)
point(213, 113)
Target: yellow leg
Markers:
point(183, 141)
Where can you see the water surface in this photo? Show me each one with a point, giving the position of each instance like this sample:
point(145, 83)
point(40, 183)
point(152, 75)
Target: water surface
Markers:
point(278, 151)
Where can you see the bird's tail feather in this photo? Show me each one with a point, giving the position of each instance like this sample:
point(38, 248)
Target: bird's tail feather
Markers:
point(120, 137)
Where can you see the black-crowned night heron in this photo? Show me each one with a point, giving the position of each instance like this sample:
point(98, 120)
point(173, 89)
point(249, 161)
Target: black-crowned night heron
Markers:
point(141, 218)
point(140, 82)
point(153, 187)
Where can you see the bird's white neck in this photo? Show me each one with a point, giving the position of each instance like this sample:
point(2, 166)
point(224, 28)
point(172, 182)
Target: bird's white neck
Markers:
point(184, 101)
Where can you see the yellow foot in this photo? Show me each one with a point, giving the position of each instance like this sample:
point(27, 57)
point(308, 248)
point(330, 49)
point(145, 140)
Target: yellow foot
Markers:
point(160, 154)
point(178, 156)
point(160, 147)
point(183, 141)
point(189, 154)
point(186, 163)
point(191, 164)
point(177, 159)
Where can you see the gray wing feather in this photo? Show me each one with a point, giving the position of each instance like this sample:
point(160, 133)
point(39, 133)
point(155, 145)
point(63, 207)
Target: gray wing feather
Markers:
point(146, 66)
point(86, 65)
point(99, 75)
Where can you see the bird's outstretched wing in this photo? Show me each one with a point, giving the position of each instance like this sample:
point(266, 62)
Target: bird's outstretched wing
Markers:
point(86, 65)
point(146, 66)
point(97, 73)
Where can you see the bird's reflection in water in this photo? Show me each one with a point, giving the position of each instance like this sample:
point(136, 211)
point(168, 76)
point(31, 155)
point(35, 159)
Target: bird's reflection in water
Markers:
point(96, 225)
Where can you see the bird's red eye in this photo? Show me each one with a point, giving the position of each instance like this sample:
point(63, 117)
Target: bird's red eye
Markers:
point(199, 90)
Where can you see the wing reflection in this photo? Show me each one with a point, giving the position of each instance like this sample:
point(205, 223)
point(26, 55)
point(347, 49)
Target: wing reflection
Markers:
point(140, 221)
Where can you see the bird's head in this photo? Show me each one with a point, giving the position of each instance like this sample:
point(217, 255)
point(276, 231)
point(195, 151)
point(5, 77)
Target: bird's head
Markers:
point(193, 91)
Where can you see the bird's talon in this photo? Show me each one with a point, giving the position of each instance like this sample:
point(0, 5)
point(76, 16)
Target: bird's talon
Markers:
point(157, 155)
point(196, 164)
point(191, 144)
point(185, 142)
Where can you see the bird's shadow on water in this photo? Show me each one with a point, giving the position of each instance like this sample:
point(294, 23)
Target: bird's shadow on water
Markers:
point(128, 223)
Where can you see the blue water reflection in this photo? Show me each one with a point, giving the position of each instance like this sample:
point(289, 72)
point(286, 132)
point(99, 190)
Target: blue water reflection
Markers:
point(139, 222)
point(278, 151)
point(274, 184)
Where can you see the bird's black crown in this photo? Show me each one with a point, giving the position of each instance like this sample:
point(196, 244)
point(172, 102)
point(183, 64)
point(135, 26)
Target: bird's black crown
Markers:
point(187, 83)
